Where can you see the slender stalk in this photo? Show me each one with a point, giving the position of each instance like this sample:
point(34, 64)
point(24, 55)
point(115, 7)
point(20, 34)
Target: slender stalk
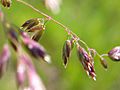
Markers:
point(103, 55)
point(85, 45)
point(50, 18)
point(69, 32)
point(98, 54)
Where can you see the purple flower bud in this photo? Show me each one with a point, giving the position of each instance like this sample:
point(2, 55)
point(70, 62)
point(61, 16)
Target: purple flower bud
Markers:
point(35, 49)
point(87, 61)
point(114, 54)
point(4, 57)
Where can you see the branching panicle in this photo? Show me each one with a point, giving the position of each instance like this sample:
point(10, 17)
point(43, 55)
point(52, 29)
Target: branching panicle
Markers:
point(24, 41)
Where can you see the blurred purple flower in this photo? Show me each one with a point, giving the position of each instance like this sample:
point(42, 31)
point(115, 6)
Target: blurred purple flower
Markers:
point(20, 75)
point(26, 71)
point(35, 48)
point(12, 37)
point(4, 58)
point(34, 81)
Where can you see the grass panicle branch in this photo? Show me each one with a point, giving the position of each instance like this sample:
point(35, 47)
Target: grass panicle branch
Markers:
point(26, 46)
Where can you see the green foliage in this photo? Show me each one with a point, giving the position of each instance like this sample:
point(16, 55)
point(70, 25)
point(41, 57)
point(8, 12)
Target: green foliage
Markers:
point(97, 22)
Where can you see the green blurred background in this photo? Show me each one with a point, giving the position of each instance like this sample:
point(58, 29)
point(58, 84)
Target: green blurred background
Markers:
point(97, 22)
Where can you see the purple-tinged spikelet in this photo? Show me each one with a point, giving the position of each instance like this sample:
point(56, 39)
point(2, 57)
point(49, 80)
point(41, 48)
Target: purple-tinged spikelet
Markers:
point(38, 32)
point(6, 3)
point(31, 24)
point(68, 45)
point(35, 26)
point(114, 54)
point(87, 61)
point(103, 62)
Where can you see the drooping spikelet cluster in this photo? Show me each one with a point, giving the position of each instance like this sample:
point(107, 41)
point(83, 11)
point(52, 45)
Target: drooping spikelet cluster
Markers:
point(85, 58)
point(24, 41)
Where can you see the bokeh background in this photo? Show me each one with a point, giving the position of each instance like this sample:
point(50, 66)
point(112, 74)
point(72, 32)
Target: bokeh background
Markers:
point(97, 22)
